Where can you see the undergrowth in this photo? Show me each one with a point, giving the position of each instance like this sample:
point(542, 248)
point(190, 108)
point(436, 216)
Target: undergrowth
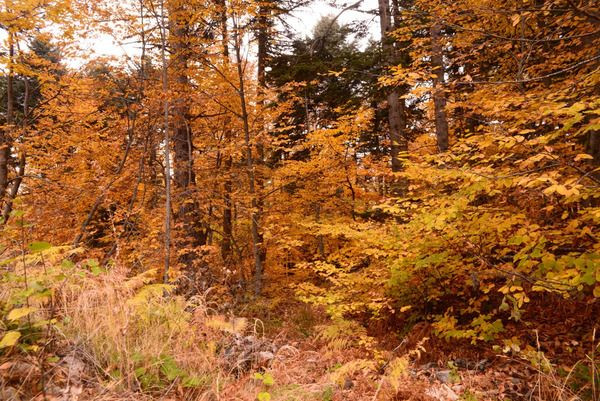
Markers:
point(132, 334)
point(137, 339)
point(138, 335)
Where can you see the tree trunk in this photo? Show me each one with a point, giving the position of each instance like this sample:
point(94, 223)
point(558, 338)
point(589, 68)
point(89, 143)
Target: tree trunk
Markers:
point(184, 178)
point(227, 213)
point(320, 239)
point(263, 41)
point(20, 173)
point(5, 135)
point(14, 190)
point(264, 23)
point(226, 243)
point(592, 146)
point(254, 215)
point(396, 106)
point(439, 95)
point(167, 139)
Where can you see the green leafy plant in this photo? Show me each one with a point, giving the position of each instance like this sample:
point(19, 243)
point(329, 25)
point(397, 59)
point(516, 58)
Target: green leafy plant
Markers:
point(31, 281)
point(267, 382)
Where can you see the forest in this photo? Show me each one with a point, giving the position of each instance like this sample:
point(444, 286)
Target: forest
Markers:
point(401, 206)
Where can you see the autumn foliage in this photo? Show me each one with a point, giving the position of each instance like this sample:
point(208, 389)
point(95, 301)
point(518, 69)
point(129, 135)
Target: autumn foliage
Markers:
point(445, 177)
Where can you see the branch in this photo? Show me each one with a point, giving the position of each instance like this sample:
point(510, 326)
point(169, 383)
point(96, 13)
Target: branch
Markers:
point(584, 12)
point(535, 79)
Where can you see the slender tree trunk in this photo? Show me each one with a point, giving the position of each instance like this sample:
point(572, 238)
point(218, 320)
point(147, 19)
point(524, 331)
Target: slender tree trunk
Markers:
point(167, 139)
point(5, 135)
point(227, 213)
point(439, 95)
point(18, 180)
point(4, 160)
point(264, 23)
point(254, 215)
point(14, 190)
point(396, 106)
point(592, 145)
point(320, 239)
point(226, 243)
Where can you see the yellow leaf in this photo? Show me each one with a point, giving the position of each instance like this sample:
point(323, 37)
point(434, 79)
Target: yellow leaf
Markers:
point(18, 313)
point(583, 156)
point(10, 339)
point(405, 308)
point(550, 190)
point(561, 189)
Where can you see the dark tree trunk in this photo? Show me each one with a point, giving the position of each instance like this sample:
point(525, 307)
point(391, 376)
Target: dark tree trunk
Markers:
point(5, 135)
point(396, 105)
point(187, 212)
point(20, 173)
point(320, 239)
point(14, 189)
point(226, 243)
point(264, 24)
point(439, 95)
point(254, 215)
point(592, 147)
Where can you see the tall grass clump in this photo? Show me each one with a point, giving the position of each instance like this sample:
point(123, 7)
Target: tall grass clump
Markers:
point(139, 335)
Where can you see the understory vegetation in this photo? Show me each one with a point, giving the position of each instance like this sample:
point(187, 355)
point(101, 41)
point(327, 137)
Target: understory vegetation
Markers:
point(233, 207)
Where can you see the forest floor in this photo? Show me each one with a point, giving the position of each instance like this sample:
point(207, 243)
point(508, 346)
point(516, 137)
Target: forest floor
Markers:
point(296, 369)
point(293, 352)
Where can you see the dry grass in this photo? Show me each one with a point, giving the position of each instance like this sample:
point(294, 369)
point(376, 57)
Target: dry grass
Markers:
point(136, 337)
point(575, 383)
point(138, 341)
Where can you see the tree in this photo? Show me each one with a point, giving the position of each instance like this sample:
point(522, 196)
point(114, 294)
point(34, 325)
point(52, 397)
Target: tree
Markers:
point(21, 22)
point(439, 97)
point(395, 102)
point(320, 79)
